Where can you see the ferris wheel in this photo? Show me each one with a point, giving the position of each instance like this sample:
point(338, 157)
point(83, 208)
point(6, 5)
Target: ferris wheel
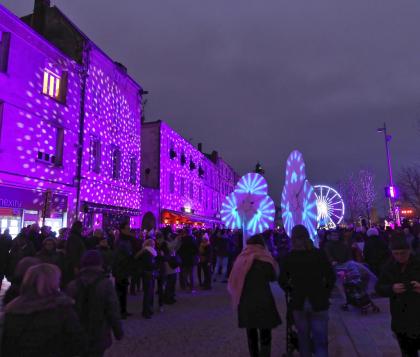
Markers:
point(330, 207)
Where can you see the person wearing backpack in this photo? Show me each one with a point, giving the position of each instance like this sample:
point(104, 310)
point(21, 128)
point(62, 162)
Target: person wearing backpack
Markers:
point(96, 304)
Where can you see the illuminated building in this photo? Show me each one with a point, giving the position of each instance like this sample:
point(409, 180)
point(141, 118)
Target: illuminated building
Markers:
point(182, 185)
point(39, 126)
point(70, 133)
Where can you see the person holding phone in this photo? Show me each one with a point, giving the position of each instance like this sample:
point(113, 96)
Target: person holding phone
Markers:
point(400, 282)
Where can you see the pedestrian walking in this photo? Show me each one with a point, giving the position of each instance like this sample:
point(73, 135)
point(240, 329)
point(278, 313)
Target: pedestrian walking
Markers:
point(96, 304)
point(249, 287)
point(309, 278)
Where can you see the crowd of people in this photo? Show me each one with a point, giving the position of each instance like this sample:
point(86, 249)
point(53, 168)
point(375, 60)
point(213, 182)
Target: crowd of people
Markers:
point(87, 276)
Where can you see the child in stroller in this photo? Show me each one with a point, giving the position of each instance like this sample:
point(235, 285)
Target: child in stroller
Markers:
point(356, 281)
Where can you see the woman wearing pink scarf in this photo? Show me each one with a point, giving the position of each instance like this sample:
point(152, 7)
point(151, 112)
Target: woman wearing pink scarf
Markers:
point(249, 286)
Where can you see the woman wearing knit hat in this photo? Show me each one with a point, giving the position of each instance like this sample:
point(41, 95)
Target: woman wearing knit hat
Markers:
point(400, 282)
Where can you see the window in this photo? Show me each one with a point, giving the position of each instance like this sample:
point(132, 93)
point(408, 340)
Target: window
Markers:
point(59, 146)
point(133, 170)
point(191, 190)
point(171, 183)
point(200, 195)
point(182, 187)
point(116, 163)
point(55, 86)
point(96, 155)
point(4, 51)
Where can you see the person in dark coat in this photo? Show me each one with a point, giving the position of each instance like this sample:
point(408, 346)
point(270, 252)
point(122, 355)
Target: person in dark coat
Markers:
point(400, 282)
point(336, 249)
point(375, 251)
point(96, 304)
point(35, 236)
point(205, 253)
point(122, 266)
point(249, 286)
point(147, 258)
point(307, 275)
point(42, 321)
point(221, 252)
point(49, 254)
point(5, 246)
point(75, 248)
point(16, 281)
point(107, 256)
point(188, 252)
point(21, 248)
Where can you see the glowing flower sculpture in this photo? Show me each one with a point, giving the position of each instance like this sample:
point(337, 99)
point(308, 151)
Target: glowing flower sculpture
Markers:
point(249, 207)
point(298, 199)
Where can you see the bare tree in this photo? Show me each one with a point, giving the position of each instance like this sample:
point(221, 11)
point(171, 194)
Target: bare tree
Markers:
point(366, 192)
point(409, 184)
point(358, 191)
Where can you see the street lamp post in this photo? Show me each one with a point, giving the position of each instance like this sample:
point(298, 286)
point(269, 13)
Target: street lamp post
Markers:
point(392, 192)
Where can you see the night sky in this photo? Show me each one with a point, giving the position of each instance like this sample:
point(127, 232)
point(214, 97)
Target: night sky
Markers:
point(257, 79)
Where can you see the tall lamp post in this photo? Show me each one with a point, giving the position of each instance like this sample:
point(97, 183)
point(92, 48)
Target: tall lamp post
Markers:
point(391, 192)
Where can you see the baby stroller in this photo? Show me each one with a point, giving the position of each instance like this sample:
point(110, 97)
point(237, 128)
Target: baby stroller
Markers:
point(291, 333)
point(355, 279)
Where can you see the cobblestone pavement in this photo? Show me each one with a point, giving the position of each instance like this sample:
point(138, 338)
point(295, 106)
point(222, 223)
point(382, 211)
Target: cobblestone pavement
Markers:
point(204, 325)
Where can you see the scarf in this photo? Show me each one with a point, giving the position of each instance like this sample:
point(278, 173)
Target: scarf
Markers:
point(241, 267)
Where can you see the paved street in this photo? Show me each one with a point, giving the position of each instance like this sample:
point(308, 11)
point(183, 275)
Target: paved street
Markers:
point(204, 325)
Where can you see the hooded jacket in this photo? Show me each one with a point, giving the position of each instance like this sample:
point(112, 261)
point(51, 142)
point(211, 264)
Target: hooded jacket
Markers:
point(103, 307)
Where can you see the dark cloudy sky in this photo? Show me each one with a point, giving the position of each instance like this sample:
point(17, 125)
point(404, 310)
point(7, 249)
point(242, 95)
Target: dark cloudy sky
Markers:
point(257, 79)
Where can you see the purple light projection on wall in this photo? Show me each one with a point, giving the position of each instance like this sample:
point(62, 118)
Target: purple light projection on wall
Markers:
point(113, 120)
point(38, 133)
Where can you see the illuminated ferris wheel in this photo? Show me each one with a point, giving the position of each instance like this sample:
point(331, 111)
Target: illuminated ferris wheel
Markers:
point(330, 207)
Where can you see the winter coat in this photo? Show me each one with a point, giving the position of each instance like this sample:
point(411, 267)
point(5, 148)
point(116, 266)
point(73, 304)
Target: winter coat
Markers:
point(123, 258)
point(337, 251)
point(103, 307)
point(5, 245)
point(21, 248)
point(48, 327)
point(188, 252)
point(206, 253)
point(307, 275)
point(148, 262)
point(108, 259)
point(53, 257)
point(74, 250)
point(376, 253)
point(405, 307)
point(221, 246)
point(257, 308)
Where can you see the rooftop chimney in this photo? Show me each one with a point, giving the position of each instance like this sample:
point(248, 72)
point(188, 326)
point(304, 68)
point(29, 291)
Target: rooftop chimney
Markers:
point(200, 147)
point(214, 156)
point(39, 16)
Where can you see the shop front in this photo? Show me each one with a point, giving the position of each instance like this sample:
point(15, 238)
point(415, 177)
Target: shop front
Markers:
point(187, 219)
point(99, 216)
point(21, 207)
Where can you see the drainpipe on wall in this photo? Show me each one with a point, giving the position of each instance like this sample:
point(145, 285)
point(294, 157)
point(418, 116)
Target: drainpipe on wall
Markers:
point(84, 74)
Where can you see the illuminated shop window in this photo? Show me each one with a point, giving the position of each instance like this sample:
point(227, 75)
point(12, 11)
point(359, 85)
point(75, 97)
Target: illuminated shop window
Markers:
point(133, 170)
point(4, 51)
point(55, 86)
point(171, 183)
point(96, 155)
point(116, 163)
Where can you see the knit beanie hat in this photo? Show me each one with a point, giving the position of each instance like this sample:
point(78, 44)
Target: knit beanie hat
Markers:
point(372, 232)
point(92, 258)
point(399, 243)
